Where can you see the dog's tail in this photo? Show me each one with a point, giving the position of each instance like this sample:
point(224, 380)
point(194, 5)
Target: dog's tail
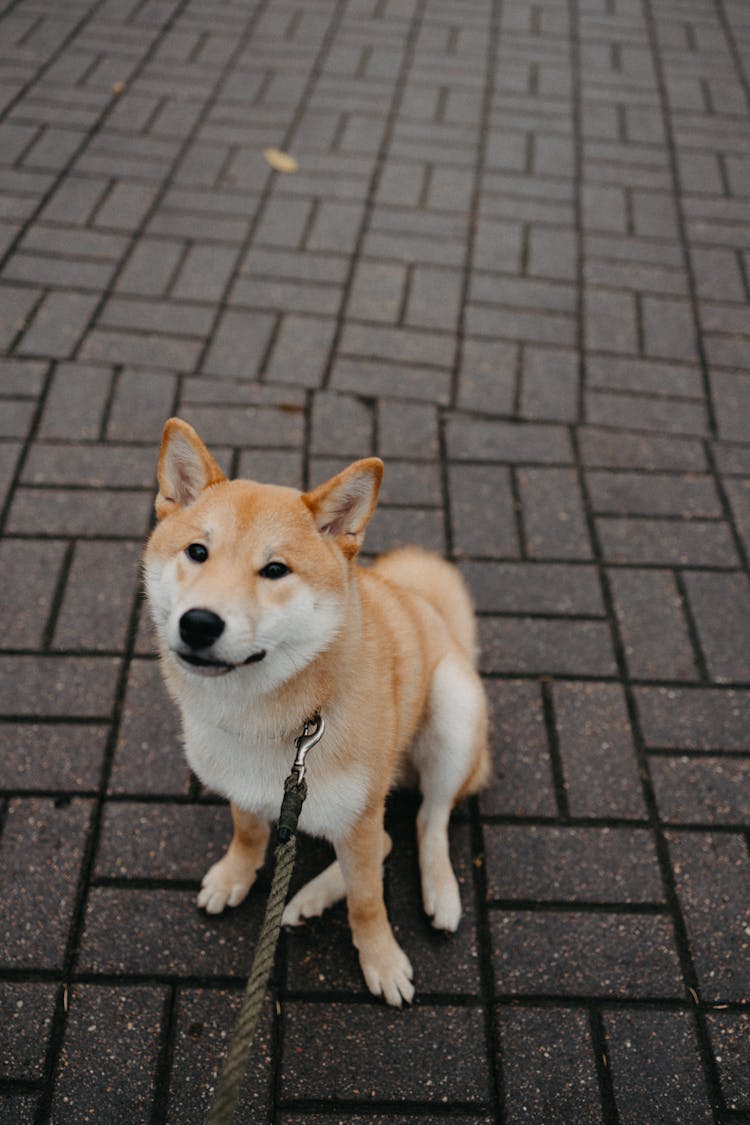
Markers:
point(440, 584)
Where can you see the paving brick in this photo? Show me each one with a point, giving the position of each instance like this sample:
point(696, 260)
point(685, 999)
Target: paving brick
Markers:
point(477, 490)
point(75, 402)
point(205, 1019)
point(604, 449)
point(545, 647)
point(712, 874)
point(721, 607)
point(521, 587)
point(43, 686)
point(548, 1065)
point(685, 719)
point(89, 465)
point(654, 629)
point(27, 1010)
point(400, 527)
point(387, 379)
point(599, 763)
point(656, 1067)
point(653, 494)
point(731, 1043)
point(471, 439)
point(239, 344)
point(403, 346)
point(668, 328)
point(157, 316)
point(115, 346)
point(522, 783)
point(301, 350)
point(710, 790)
point(434, 298)
point(553, 515)
point(731, 392)
point(74, 512)
point(148, 757)
point(407, 429)
point(584, 954)
point(610, 322)
point(126, 206)
point(16, 305)
point(666, 543)
point(441, 1041)
point(110, 1053)
point(487, 376)
point(150, 268)
point(602, 865)
point(250, 426)
point(549, 387)
point(277, 466)
point(49, 756)
point(42, 846)
point(141, 402)
point(98, 595)
point(377, 291)
point(342, 422)
point(160, 841)
point(31, 573)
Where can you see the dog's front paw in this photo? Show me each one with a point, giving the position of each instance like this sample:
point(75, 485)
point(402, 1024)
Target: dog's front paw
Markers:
point(224, 884)
point(316, 896)
point(388, 972)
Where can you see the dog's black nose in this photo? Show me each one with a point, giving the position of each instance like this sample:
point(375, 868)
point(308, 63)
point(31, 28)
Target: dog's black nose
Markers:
point(199, 628)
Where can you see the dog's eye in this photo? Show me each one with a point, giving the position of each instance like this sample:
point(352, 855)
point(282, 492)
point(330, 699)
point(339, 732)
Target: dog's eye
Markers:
point(197, 552)
point(274, 570)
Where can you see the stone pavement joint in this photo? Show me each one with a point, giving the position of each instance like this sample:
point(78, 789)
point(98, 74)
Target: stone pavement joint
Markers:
point(515, 263)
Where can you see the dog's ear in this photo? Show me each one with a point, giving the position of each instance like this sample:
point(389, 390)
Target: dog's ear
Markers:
point(343, 505)
point(185, 468)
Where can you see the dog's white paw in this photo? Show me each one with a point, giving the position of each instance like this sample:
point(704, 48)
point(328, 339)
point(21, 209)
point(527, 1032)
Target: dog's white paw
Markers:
point(388, 973)
point(224, 884)
point(442, 902)
point(315, 897)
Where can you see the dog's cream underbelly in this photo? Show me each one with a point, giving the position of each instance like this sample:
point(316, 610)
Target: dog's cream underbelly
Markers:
point(252, 776)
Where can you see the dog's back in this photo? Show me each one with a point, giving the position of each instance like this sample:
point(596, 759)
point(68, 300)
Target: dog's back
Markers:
point(439, 583)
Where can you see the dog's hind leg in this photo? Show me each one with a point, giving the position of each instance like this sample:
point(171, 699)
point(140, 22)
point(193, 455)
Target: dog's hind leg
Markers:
point(323, 891)
point(452, 759)
point(229, 880)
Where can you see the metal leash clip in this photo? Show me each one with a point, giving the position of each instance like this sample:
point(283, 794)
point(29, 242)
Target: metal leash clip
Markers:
point(312, 732)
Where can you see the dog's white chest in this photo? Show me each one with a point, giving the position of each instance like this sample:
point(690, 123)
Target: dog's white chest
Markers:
point(252, 775)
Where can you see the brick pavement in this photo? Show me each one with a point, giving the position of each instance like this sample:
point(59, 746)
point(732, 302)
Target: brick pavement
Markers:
point(514, 263)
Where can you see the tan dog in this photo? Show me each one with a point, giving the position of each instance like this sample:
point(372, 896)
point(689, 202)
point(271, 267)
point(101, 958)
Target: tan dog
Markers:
point(264, 618)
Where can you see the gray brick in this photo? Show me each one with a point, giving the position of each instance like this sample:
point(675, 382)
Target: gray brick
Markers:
point(610, 322)
point(685, 719)
point(239, 344)
point(487, 376)
point(335, 228)
point(15, 308)
point(57, 272)
point(434, 298)
point(431, 384)
point(439, 1040)
point(49, 756)
point(721, 608)
point(26, 1012)
point(402, 527)
point(98, 596)
point(497, 246)
point(482, 440)
point(522, 587)
point(731, 391)
point(110, 1051)
point(58, 325)
point(204, 273)
point(646, 376)
point(31, 573)
point(702, 790)
point(66, 512)
point(377, 292)
point(254, 427)
point(403, 346)
point(713, 884)
point(521, 783)
point(656, 1064)
point(276, 466)
point(552, 256)
point(75, 403)
point(40, 842)
point(301, 350)
point(654, 629)
point(604, 208)
point(668, 329)
point(476, 491)
point(602, 448)
point(549, 386)
point(150, 267)
point(126, 206)
point(612, 955)
point(407, 429)
point(598, 756)
point(548, 864)
point(553, 515)
point(731, 1043)
point(167, 317)
point(511, 324)
point(111, 345)
point(653, 494)
point(548, 1068)
point(636, 412)
point(148, 756)
point(666, 543)
point(538, 647)
point(342, 424)
point(54, 148)
point(16, 418)
point(74, 200)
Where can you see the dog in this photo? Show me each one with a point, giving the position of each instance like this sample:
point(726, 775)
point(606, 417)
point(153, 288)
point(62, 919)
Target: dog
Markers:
point(264, 618)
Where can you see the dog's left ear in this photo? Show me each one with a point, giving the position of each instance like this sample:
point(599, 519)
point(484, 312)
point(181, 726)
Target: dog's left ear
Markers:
point(342, 507)
point(185, 468)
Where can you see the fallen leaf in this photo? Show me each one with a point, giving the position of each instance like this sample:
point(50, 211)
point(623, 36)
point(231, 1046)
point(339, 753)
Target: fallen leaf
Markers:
point(280, 161)
point(118, 87)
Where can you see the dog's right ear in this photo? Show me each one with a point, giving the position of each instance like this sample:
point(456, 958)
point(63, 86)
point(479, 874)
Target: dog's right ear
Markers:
point(185, 468)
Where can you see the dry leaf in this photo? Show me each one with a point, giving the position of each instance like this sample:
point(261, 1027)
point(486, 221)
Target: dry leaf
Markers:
point(280, 161)
point(118, 88)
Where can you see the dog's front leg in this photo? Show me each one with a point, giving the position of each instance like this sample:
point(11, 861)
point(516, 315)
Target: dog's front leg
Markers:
point(386, 967)
point(229, 880)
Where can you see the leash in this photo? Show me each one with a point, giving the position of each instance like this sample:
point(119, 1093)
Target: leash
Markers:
point(295, 791)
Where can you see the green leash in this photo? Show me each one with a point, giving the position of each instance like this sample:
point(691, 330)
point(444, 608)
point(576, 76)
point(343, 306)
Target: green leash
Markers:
point(295, 791)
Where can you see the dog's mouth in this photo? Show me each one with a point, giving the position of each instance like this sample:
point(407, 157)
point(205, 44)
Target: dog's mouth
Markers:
point(207, 667)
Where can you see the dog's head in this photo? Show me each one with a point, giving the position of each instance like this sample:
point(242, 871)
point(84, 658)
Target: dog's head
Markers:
point(246, 578)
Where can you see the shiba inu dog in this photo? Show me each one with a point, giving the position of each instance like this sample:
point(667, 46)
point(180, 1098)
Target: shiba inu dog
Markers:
point(264, 618)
